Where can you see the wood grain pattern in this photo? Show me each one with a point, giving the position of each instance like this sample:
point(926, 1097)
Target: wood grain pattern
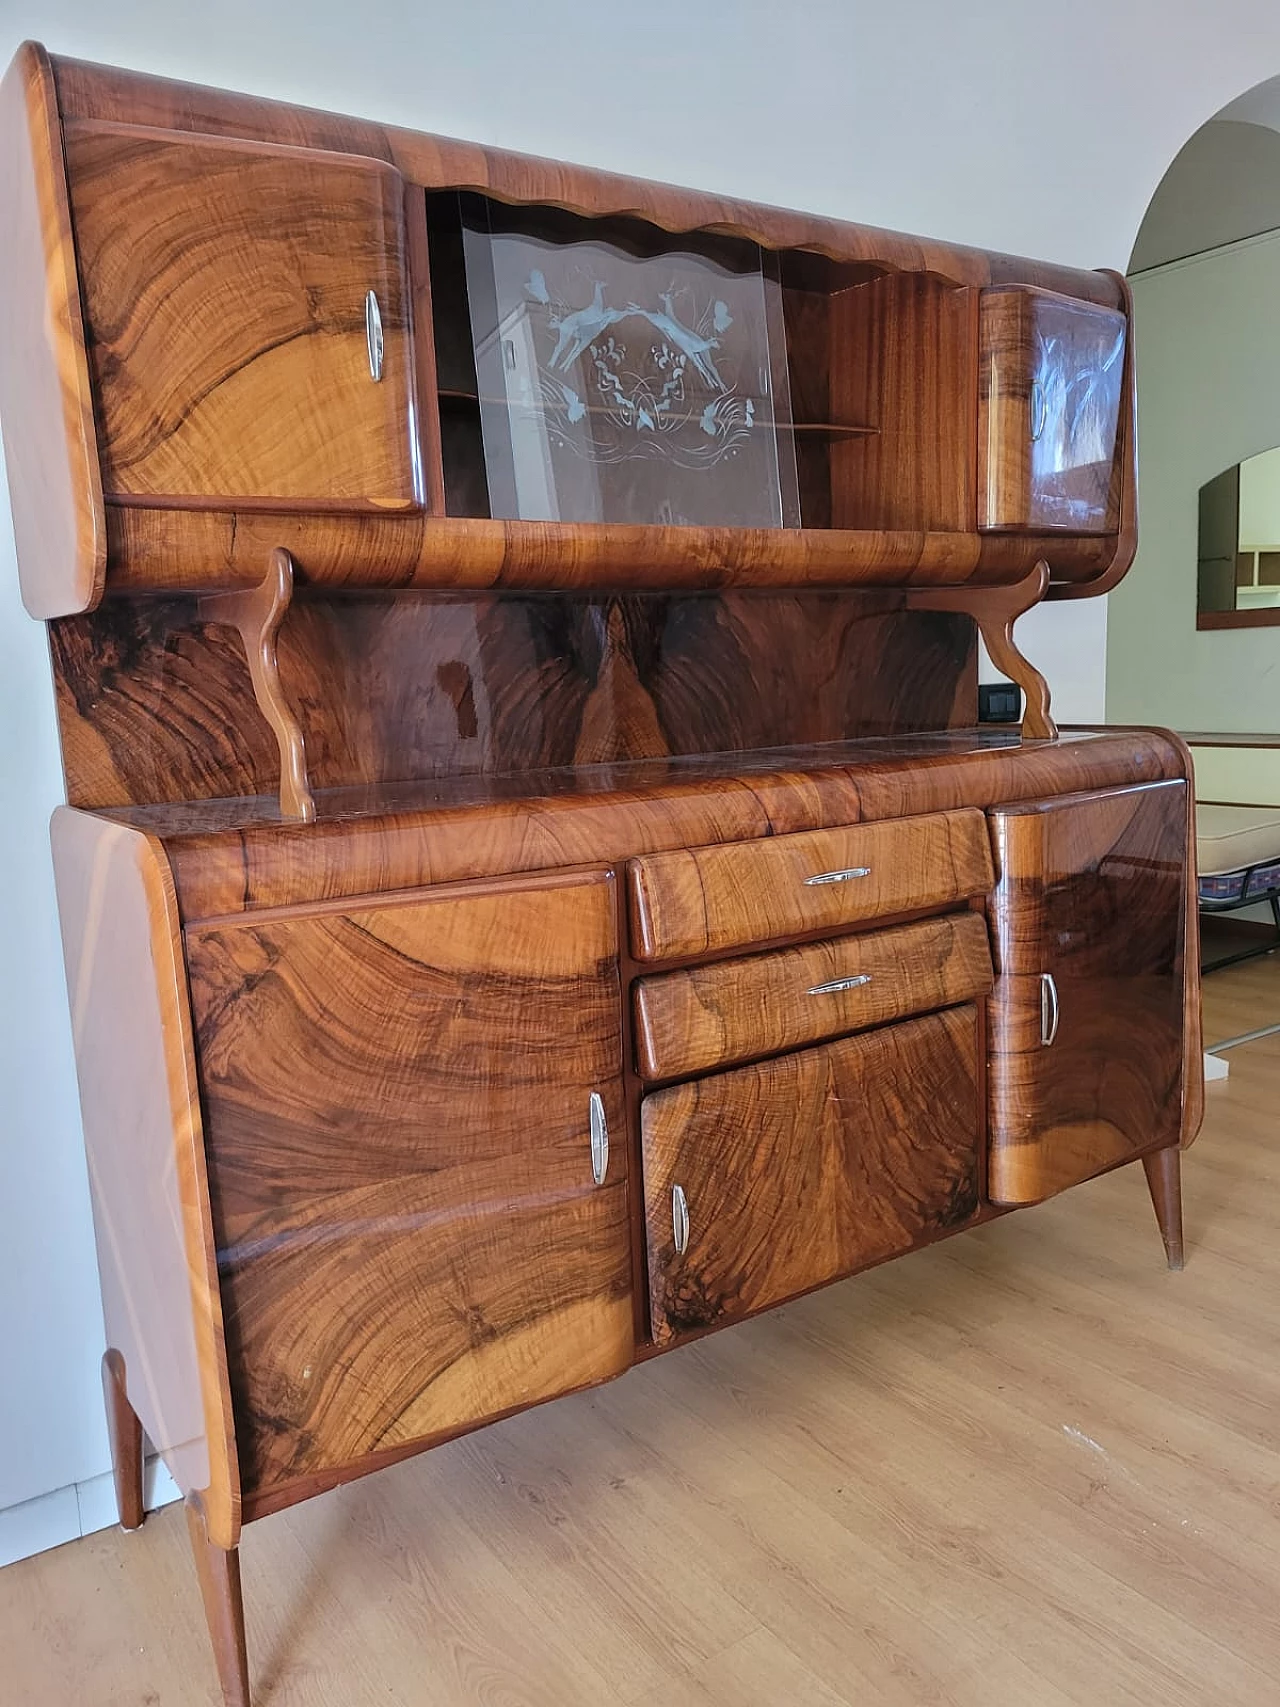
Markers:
point(152, 700)
point(809, 1166)
point(226, 321)
point(1091, 891)
point(707, 1017)
point(237, 855)
point(1051, 382)
point(46, 405)
point(410, 1239)
point(702, 900)
point(143, 1134)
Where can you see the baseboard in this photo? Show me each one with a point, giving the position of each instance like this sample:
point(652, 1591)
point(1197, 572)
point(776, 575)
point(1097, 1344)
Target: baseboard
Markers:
point(65, 1514)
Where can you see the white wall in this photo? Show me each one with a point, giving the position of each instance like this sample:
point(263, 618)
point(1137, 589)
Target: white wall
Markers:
point(1208, 397)
point(1028, 128)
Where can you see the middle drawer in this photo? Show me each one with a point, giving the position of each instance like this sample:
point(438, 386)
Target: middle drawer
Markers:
point(706, 1017)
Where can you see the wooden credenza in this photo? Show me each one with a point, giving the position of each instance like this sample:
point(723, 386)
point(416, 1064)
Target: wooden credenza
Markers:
point(500, 947)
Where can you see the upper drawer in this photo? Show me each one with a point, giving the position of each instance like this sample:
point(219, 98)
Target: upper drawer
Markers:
point(701, 900)
point(248, 321)
point(705, 1017)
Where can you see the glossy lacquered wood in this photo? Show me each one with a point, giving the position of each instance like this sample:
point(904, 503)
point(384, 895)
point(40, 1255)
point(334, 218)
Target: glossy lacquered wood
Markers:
point(808, 1166)
point(226, 321)
point(124, 1430)
point(703, 900)
point(397, 1096)
point(155, 701)
point(139, 1101)
point(1087, 919)
point(46, 405)
point(706, 1017)
point(1052, 373)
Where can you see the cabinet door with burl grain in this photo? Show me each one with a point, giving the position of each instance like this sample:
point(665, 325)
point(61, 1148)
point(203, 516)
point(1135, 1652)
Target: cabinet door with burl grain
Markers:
point(421, 1221)
point(248, 322)
point(1088, 928)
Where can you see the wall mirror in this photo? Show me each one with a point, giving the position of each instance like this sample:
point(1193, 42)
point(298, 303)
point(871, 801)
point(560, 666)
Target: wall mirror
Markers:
point(1238, 570)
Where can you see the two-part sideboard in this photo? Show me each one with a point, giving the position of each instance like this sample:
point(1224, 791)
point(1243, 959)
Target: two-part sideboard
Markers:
point(534, 887)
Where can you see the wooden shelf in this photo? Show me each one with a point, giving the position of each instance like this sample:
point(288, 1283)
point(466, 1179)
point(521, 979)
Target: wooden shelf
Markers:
point(818, 429)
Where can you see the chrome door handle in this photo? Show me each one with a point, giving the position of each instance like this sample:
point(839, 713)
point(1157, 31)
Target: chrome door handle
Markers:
point(599, 1138)
point(838, 876)
point(837, 984)
point(1039, 410)
point(679, 1219)
point(1049, 1010)
point(373, 335)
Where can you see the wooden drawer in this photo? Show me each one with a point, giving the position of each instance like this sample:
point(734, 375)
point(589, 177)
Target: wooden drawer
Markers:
point(701, 900)
point(801, 1169)
point(706, 1017)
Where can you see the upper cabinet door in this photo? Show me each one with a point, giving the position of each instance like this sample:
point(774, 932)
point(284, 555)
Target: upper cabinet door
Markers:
point(417, 1161)
point(1088, 921)
point(1051, 376)
point(247, 312)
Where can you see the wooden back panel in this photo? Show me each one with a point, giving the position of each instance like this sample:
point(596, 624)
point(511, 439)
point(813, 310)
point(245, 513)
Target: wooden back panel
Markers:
point(155, 706)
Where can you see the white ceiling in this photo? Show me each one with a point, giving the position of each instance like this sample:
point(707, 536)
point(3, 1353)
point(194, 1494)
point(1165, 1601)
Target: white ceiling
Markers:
point(1259, 105)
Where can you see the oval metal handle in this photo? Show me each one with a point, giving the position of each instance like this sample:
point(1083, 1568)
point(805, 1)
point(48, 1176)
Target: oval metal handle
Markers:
point(1039, 410)
point(1049, 1009)
point(373, 335)
point(839, 876)
point(837, 984)
point(679, 1219)
point(599, 1138)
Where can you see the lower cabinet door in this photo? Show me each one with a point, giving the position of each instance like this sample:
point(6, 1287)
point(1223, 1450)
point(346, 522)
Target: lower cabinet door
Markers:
point(420, 1219)
point(1086, 1020)
point(772, 1179)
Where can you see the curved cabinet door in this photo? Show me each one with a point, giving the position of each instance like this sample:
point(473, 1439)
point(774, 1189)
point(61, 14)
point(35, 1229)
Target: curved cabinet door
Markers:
point(1051, 378)
point(235, 317)
point(773, 1179)
point(420, 1223)
point(1088, 920)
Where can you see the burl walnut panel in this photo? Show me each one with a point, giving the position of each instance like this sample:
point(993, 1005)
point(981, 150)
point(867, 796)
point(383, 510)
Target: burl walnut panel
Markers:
point(705, 1017)
point(397, 1095)
point(702, 900)
point(226, 321)
point(1091, 893)
point(807, 1167)
point(154, 705)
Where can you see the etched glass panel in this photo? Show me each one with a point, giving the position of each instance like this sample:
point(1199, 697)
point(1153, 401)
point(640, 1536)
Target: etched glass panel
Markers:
point(625, 376)
point(1075, 408)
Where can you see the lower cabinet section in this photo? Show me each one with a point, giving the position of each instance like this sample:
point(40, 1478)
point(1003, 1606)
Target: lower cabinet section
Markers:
point(763, 1182)
point(420, 1220)
point(1088, 920)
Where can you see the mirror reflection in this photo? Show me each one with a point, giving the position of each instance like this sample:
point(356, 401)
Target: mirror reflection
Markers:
point(1239, 554)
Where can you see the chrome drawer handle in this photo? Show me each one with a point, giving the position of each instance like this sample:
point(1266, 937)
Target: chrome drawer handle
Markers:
point(373, 335)
point(599, 1138)
point(1049, 1012)
point(838, 984)
point(679, 1219)
point(839, 876)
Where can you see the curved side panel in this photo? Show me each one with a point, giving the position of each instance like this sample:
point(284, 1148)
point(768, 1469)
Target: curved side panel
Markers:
point(46, 405)
point(132, 1029)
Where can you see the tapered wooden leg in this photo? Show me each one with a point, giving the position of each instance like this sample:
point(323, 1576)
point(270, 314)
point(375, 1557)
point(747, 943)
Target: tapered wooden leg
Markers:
point(1164, 1180)
point(125, 1433)
point(219, 1573)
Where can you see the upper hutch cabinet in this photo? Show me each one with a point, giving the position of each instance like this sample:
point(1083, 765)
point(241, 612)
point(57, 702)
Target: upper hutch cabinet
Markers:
point(1087, 1015)
point(247, 322)
point(420, 1216)
point(1050, 386)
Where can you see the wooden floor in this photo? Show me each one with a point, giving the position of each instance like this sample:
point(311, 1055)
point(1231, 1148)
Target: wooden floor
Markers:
point(1026, 1468)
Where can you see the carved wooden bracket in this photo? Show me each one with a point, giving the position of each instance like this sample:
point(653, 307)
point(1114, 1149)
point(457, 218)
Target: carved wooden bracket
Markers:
point(257, 613)
point(995, 610)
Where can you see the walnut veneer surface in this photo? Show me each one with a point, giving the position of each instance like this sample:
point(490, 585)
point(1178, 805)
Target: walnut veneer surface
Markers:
point(502, 950)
